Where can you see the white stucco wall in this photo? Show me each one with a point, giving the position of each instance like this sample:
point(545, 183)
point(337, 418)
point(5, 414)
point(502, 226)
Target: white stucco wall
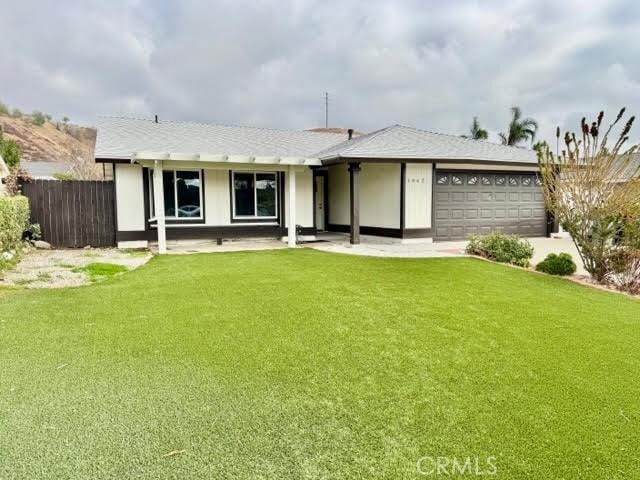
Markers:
point(129, 197)
point(418, 195)
point(379, 195)
point(217, 201)
point(304, 197)
point(338, 195)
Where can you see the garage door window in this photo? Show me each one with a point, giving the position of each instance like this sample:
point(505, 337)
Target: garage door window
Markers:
point(513, 181)
point(485, 180)
point(456, 180)
point(442, 179)
point(526, 181)
point(472, 179)
point(501, 180)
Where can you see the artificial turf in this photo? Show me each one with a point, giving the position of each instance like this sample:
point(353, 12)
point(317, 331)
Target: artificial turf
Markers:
point(301, 364)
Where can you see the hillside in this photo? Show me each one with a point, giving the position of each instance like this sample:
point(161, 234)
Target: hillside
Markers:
point(53, 142)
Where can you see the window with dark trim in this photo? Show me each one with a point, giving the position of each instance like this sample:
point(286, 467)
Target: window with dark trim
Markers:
point(254, 195)
point(182, 194)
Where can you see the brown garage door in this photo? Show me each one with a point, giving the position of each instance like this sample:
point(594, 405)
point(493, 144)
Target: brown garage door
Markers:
point(475, 202)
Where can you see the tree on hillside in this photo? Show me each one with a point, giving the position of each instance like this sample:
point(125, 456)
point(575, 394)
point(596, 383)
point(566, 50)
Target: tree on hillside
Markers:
point(10, 151)
point(476, 132)
point(38, 118)
point(520, 129)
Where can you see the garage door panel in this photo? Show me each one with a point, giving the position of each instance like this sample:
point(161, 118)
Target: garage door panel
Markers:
point(442, 214)
point(457, 214)
point(500, 196)
point(484, 202)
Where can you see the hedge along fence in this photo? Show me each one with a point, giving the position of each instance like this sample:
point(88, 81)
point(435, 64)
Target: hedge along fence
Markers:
point(14, 218)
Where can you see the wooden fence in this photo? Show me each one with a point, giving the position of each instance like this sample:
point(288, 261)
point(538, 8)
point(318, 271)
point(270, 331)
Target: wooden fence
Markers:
point(73, 214)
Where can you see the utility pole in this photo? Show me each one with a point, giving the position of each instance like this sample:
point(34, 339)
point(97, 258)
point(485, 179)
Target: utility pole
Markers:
point(326, 109)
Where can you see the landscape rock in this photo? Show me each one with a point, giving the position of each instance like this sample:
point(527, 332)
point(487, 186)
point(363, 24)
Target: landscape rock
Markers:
point(41, 244)
point(7, 255)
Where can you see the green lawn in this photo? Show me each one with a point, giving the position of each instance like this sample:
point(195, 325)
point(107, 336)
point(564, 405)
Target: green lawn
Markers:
point(302, 364)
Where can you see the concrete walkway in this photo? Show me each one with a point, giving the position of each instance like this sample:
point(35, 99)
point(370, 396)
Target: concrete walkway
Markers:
point(382, 247)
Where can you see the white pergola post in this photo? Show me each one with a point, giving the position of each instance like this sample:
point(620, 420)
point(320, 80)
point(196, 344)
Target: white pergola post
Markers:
point(291, 218)
point(158, 203)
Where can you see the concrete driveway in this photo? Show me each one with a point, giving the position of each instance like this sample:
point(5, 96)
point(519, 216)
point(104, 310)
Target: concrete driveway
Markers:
point(382, 247)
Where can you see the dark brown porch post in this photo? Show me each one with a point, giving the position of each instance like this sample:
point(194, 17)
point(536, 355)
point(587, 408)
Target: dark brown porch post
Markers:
point(354, 196)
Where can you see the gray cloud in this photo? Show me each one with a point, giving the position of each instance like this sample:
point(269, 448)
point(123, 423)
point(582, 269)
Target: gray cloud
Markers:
point(424, 63)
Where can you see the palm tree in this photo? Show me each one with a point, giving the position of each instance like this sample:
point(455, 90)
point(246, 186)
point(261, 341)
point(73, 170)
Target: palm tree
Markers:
point(477, 133)
point(520, 129)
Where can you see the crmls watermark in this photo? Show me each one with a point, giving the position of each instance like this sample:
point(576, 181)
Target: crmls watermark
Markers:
point(457, 466)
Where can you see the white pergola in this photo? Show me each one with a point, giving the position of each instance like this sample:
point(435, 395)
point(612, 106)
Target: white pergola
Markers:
point(157, 159)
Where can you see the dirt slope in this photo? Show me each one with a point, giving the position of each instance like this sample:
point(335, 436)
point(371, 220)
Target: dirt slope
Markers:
point(52, 142)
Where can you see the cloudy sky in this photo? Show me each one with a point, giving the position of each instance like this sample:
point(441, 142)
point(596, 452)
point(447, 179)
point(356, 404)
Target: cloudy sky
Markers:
point(429, 64)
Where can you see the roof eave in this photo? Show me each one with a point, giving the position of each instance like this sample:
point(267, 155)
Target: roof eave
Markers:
point(339, 159)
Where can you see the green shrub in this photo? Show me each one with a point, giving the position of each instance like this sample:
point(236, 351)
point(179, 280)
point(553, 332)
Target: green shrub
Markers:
point(4, 110)
point(38, 118)
point(14, 218)
point(64, 176)
point(501, 248)
point(10, 152)
point(561, 264)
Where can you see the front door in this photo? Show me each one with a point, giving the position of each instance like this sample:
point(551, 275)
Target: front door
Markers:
point(319, 206)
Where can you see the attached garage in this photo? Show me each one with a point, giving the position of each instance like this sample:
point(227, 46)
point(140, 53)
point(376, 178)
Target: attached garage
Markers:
point(479, 202)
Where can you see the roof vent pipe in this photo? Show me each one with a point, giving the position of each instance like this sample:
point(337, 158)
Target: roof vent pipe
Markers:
point(350, 133)
point(156, 119)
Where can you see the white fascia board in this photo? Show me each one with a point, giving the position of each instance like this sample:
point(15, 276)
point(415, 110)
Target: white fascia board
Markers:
point(150, 156)
point(213, 158)
point(240, 159)
point(267, 160)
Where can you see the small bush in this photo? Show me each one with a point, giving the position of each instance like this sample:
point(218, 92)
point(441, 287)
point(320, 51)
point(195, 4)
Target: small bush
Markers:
point(561, 264)
point(16, 113)
point(501, 248)
point(38, 118)
point(64, 176)
point(14, 217)
point(32, 232)
point(4, 110)
point(624, 270)
point(10, 152)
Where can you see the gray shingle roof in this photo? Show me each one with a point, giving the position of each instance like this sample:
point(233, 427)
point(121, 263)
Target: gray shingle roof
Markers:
point(399, 141)
point(121, 137)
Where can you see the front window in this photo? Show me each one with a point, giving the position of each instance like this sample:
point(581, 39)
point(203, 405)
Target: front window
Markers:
point(255, 195)
point(182, 194)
